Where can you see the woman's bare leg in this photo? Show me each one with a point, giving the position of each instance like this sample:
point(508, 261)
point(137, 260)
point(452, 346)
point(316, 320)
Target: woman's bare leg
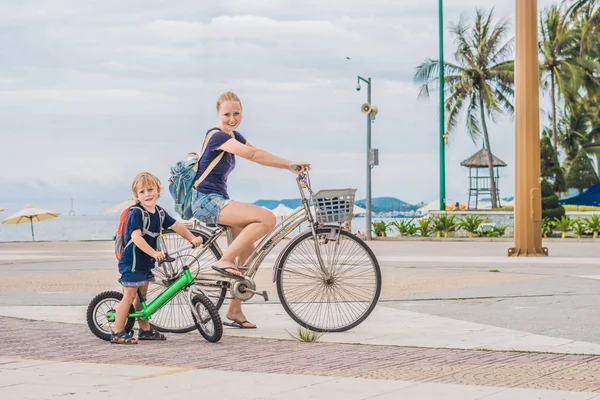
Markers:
point(253, 223)
point(248, 224)
point(234, 312)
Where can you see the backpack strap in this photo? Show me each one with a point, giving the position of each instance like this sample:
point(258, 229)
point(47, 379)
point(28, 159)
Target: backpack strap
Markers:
point(214, 162)
point(162, 216)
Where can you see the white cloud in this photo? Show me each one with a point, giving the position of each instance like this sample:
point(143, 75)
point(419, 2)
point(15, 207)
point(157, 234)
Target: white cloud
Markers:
point(106, 89)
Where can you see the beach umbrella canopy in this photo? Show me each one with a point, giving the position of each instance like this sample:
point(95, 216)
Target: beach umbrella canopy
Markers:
point(281, 211)
point(30, 214)
point(118, 208)
point(358, 211)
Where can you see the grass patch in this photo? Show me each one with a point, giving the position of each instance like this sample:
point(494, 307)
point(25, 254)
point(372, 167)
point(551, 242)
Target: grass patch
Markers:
point(494, 270)
point(306, 335)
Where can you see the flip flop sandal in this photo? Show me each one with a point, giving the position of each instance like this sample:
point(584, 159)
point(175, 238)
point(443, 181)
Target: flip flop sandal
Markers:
point(224, 271)
point(238, 324)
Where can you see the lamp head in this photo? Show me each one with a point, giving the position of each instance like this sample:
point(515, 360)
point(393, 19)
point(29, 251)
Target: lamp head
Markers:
point(358, 87)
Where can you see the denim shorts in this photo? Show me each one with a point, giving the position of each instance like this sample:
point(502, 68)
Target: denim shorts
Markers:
point(208, 206)
point(136, 278)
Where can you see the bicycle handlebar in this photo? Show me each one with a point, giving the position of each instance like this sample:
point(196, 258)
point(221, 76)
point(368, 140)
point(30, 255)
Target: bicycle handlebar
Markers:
point(169, 256)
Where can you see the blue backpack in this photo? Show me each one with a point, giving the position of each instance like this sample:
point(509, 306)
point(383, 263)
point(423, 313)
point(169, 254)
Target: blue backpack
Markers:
point(182, 182)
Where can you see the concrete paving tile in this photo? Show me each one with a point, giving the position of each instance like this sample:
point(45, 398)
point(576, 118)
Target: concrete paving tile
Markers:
point(511, 394)
point(346, 388)
point(33, 391)
point(17, 363)
point(437, 391)
point(115, 370)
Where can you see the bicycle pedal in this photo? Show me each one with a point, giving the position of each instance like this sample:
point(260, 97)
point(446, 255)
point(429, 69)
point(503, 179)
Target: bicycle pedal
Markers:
point(263, 293)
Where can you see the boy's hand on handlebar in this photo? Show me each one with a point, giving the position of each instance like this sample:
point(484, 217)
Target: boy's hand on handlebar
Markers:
point(158, 256)
point(196, 241)
point(299, 167)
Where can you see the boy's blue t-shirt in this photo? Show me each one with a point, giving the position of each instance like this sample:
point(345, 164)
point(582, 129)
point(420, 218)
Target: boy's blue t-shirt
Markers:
point(216, 181)
point(133, 258)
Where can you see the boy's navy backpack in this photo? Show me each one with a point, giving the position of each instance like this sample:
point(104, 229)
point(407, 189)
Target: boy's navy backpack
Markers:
point(182, 183)
point(120, 244)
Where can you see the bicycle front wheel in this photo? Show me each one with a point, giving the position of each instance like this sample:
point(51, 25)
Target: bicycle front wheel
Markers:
point(328, 304)
point(174, 316)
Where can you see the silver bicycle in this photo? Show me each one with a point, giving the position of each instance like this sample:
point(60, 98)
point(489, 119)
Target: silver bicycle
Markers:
point(327, 279)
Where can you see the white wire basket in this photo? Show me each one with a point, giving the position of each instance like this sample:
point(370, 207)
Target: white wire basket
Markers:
point(334, 205)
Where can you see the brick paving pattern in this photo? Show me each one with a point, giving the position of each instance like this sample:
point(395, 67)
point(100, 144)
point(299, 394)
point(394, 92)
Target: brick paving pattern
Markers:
point(64, 342)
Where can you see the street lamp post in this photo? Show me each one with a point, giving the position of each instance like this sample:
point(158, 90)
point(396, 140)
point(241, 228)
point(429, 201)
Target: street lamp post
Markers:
point(368, 205)
point(442, 115)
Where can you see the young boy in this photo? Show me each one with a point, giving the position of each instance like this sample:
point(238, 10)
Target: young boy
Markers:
point(135, 266)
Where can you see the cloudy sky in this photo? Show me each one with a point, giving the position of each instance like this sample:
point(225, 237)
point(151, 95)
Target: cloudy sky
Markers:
point(93, 92)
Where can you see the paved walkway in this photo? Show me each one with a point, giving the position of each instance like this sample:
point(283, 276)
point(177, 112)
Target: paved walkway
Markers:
point(385, 326)
point(496, 370)
point(41, 380)
point(441, 352)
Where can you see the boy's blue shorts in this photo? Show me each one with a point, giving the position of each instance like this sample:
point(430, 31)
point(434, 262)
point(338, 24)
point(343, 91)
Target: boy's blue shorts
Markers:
point(136, 278)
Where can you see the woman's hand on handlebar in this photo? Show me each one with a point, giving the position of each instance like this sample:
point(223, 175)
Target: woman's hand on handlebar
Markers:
point(298, 167)
point(196, 241)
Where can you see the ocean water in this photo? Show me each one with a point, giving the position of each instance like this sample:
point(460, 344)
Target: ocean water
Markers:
point(92, 227)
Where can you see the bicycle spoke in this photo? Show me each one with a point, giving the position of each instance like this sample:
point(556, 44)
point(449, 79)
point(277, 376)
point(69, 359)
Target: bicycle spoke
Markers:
point(334, 304)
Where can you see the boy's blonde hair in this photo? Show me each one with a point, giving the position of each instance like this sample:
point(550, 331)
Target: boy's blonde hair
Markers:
point(145, 180)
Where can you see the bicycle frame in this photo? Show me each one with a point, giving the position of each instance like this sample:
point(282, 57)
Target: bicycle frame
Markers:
point(150, 308)
point(288, 225)
point(266, 245)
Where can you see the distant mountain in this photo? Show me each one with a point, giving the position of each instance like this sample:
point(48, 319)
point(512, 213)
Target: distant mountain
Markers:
point(379, 204)
point(271, 204)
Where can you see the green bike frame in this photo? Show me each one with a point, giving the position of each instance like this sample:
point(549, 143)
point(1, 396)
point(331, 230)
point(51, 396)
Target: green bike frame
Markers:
point(148, 309)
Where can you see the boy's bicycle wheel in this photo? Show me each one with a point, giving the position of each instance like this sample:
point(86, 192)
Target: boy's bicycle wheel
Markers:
point(96, 314)
point(174, 316)
point(333, 304)
point(209, 322)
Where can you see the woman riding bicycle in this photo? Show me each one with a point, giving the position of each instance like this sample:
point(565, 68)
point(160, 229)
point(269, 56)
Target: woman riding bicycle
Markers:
point(211, 203)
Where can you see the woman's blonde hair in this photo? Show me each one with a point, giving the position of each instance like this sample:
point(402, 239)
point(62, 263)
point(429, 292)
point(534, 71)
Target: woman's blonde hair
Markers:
point(145, 180)
point(227, 96)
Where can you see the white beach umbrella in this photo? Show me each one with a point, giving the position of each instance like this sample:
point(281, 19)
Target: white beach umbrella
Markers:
point(358, 211)
point(30, 214)
point(118, 208)
point(281, 211)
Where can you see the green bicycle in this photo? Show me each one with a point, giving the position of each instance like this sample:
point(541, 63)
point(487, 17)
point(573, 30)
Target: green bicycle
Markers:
point(102, 309)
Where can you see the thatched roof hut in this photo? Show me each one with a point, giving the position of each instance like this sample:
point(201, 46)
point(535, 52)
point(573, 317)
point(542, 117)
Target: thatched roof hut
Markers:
point(479, 160)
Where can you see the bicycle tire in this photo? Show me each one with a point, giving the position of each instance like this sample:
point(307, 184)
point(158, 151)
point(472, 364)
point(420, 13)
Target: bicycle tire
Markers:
point(213, 315)
point(174, 316)
point(297, 301)
point(92, 314)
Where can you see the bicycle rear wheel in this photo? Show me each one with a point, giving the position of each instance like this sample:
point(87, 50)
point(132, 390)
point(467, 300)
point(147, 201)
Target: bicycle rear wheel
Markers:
point(174, 316)
point(328, 305)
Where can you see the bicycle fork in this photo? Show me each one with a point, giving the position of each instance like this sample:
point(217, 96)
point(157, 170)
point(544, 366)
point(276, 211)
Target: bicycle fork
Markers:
point(316, 240)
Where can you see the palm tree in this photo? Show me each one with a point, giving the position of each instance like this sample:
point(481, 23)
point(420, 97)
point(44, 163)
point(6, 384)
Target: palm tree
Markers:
point(589, 11)
point(559, 64)
point(573, 130)
point(481, 81)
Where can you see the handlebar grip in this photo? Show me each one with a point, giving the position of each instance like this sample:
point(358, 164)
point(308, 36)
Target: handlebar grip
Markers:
point(168, 258)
